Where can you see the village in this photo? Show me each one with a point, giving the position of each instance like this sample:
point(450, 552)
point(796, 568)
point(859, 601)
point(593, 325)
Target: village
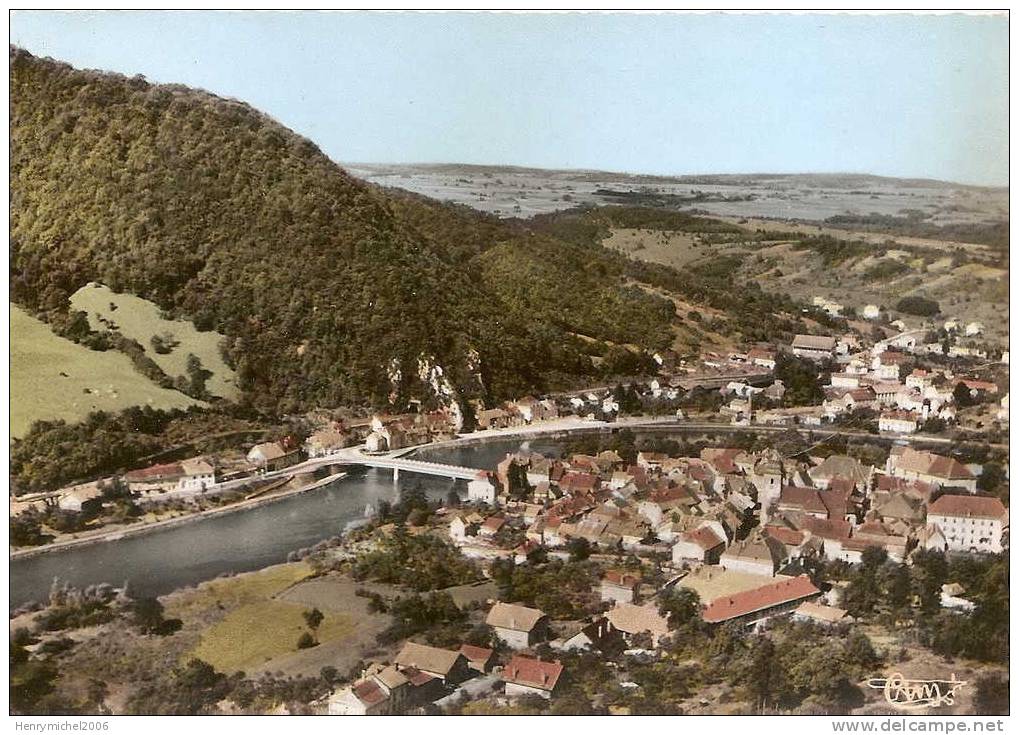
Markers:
point(924, 379)
point(739, 534)
point(740, 529)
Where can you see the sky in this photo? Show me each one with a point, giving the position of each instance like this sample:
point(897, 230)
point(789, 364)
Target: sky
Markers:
point(897, 95)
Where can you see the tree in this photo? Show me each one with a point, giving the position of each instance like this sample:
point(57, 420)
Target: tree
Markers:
point(306, 641)
point(762, 671)
point(147, 614)
point(579, 548)
point(313, 618)
point(682, 608)
point(917, 306)
point(963, 397)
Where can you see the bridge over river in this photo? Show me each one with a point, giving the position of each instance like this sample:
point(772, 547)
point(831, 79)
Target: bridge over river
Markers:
point(394, 460)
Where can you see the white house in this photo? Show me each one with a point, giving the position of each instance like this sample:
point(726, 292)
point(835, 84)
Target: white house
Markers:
point(871, 311)
point(481, 489)
point(969, 523)
point(897, 422)
point(199, 475)
point(517, 626)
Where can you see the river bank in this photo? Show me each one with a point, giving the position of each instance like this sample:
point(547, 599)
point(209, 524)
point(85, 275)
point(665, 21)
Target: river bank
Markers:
point(139, 529)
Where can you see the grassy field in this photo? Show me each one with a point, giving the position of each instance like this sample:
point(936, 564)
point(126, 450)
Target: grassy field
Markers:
point(232, 592)
point(54, 378)
point(251, 622)
point(258, 632)
point(141, 320)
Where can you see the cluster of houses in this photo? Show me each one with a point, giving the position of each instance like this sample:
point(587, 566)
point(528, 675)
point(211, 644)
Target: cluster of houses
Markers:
point(420, 675)
point(875, 379)
point(735, 524)
point(752, 512)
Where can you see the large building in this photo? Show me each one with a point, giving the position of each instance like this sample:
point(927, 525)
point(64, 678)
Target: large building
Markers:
point(969, 523)
point(939, 471)
point(813, 347)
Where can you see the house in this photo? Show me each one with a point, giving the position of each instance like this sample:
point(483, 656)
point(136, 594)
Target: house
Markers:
point(821, 614)
point(888, 364)
point(761, 555)
point(270, 456)
point(157, 478)
point(579, 483)
point(384, 690)
point(762, 358)
point(632, 620)
point(517, 626)
point(459, 529)
point(198, 475)
point(525, 675)
point(491, 526)
point(871, 311)
point(952, 598)
point(775, 391)
point(845, 380)
point(897, 422)
point(493, 418)
point(896, 509)
point(705, 544)
point(974, 328)
point(481, 489)
point(928, 467)
point(478, 658)
point(969, 523)
point(619, 586)
point(814, 347)
point(978, 387)
point(450, 667)
point(825, 504)
point(842, 466)
point(597, 635)
point(367, 696)
point(84, 498)
point(326, 443)
point(874, 533)
point(752, 606)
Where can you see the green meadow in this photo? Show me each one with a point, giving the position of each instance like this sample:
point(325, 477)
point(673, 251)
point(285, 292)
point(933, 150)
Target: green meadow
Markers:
point(141, 320)
point(54, 378)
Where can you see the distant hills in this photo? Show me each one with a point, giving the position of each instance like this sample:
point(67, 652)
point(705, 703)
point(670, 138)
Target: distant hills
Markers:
point(812, 180)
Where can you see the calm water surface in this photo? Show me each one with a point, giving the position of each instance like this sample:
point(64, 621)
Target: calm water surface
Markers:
point(162, 561)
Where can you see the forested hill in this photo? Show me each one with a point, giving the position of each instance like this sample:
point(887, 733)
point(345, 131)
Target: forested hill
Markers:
point(322, 283)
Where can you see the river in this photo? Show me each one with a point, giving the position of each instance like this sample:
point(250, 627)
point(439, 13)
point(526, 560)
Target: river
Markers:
point(161, 561)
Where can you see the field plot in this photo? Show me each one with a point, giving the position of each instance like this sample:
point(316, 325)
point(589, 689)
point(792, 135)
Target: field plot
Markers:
point(140, 320)
point(252, 622)
point(675, 249)
point(258, 632)
point(54, 378)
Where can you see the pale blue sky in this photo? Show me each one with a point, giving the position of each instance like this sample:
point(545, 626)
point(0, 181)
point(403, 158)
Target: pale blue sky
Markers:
point(901, 95)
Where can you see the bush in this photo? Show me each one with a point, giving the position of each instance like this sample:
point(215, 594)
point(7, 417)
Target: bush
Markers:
point(918, 306)
point(306, 641)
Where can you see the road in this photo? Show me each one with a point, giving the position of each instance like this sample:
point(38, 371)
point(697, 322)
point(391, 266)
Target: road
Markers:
point(356, 455)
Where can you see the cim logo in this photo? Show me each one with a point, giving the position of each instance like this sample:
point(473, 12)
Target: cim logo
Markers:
point(916, 694)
